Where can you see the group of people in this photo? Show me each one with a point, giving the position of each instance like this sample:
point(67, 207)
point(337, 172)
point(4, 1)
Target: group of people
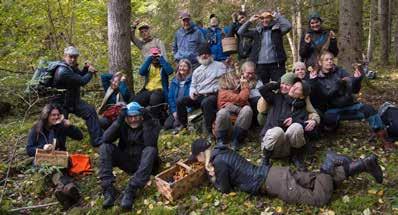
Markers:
point(290, 108)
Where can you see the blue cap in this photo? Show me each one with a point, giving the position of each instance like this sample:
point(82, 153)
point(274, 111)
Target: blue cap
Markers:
point(134, 109)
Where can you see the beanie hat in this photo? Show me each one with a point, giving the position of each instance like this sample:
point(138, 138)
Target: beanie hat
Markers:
point(288, 78)
point(204, 49)
point(314, 15)
point(198, 146)
point(134, 109)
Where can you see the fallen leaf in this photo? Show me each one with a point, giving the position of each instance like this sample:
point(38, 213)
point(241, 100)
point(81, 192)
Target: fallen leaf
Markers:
point(346, 199)
point(366, 212)
point(381, 201)
point(150, 206)
point(279, 209)
point(216, 203)
point(232, 194)
point(380, 193)
point(372, 191)
point(139, 211)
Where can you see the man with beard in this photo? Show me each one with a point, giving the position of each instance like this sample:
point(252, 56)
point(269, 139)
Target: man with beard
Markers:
point(316, 40)
point(136, 153)
point(187, 41)
point(203, 90)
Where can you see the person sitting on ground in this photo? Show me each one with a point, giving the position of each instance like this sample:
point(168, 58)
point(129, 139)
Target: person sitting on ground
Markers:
point(70, 78)
point(335, 89)
point(248, 69)
point(136, 153)
point(156, 71)
point(232, 101)
point(230, 171)
point(117, 94)
point(187, 41)
point(214, 35)
point(179, 88)
point(49, 129)
point(147, 41)
point(203, 90)
point(267, 51)
point(316, 40)
point(287, 119)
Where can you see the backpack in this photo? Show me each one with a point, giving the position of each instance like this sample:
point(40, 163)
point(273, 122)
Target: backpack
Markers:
point(43, 77)
point(245, 47)
point(389, 115)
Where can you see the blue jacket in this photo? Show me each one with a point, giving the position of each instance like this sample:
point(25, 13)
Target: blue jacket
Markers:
point(123, 89)
point(173, 92)
point(165, 71)
point(214, 37)
point(187, 43)
point(60, 132)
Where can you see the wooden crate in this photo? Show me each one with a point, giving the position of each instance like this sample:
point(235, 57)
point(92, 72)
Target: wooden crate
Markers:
point(52, 158)
point(171, 189)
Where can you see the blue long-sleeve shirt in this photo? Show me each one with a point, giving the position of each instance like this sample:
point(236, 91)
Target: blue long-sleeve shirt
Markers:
point(186, 44)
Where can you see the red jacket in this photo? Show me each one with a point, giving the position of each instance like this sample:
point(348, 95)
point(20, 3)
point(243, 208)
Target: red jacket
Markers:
point(240, 98)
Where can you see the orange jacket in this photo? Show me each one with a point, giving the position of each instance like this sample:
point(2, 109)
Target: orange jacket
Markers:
point(233, 96)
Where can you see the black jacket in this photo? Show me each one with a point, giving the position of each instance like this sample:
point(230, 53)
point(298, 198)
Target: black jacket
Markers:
point(331, 91)
point(70, 79)
point(232, 170)
point(309, 52)
point(276, 37)
point(59, 132)
point(133, 140)
point(281, 107)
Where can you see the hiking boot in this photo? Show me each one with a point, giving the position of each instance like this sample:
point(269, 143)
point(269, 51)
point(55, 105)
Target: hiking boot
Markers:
point(110, 194)
point(369, 165)
point(128, 198)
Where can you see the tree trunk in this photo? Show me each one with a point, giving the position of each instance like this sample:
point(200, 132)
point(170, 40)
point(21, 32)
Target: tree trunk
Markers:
point(396, 32)
point(372, 29)
point(299, 26)
point(350, 32)
point(383, 29)
point(291, 40)
point(119, 49)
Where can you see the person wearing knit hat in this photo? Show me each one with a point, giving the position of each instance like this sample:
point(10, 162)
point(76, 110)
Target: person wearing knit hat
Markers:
point(136, 154)
point(316, 40)
point(289, 115)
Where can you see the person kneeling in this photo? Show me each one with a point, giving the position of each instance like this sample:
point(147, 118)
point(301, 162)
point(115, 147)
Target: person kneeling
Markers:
point(228, 170)
point(52, 127)
point(136, 153)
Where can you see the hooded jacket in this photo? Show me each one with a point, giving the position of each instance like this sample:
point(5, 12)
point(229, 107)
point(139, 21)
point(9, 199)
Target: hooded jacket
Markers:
point(186, 44)
point(309, 52)
point(279, 27)
point(232, 170)
point(173, 92)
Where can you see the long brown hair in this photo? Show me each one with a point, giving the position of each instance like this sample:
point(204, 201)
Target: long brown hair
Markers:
point(43, 119)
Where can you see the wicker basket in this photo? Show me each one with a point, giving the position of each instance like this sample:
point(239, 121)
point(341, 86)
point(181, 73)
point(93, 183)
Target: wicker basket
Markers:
point(229, 45)
point(171, 189)
point(52, 158)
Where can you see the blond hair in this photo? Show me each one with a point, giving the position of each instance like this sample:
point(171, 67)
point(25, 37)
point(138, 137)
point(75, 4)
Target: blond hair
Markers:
point(228, 81)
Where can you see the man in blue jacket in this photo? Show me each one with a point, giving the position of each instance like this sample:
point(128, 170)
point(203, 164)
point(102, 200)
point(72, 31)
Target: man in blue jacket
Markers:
point(214, 36)
point(70, 78)
point(187, 41)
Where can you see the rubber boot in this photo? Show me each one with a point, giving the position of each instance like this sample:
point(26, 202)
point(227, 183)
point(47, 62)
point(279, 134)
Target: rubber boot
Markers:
point(221, 136)
point(297, 158)
point(387, 145)
point(128, 197)
point(369, 165)
point(110, 194)
point(238, 136)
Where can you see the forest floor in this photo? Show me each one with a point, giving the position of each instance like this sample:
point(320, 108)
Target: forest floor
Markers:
point(358, 195)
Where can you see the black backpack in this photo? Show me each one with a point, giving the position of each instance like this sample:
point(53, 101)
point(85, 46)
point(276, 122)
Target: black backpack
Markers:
point(389, 115)
point(43, 77)
point(245, 47)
